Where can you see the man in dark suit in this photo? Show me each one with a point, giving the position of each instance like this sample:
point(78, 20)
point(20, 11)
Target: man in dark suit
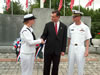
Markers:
point(55, 34)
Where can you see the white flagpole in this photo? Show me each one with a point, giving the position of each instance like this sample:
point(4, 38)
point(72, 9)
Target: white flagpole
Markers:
point(30, 2)
point(50, 3)
point(19, 1)
point(41, 4)
point(64, 7)
point(12, 7)
point(28, 6)
point(79, 6)
point(93, 5)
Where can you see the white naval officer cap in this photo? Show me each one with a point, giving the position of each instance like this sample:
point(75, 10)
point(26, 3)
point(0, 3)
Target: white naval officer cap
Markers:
point(76, 13)
point(29, 17)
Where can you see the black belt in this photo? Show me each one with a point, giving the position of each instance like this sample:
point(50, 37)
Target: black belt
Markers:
point(76, 44)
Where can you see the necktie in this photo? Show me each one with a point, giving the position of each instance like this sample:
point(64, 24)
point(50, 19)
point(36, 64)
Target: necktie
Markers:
point(56, 28)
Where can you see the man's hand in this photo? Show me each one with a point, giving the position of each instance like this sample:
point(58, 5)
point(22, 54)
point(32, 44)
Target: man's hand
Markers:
point(42, 41)
point(62, 53)
point(86, 53)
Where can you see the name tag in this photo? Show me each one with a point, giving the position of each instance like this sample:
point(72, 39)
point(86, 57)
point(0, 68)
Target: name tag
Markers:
point(82, 30)
point(72, 29)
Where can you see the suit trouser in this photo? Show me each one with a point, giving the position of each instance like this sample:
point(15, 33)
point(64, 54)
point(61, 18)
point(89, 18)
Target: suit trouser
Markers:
point(27, 61)
point(48, 59)
point(76, 55)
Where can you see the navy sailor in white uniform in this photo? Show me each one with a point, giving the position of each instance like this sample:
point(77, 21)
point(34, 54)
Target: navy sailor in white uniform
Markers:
point(78, 36)
point(28, 43)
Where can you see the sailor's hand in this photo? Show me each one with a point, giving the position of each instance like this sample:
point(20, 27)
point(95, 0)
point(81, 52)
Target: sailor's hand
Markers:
point(42, 41)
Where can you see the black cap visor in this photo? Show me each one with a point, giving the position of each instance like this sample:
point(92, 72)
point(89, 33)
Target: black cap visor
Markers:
point(30, 18)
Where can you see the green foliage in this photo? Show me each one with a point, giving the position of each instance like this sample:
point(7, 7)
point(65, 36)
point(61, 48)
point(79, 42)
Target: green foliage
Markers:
point(95, 29)
point(97, 36)
point(37, 5)
point(95, 14)
point(17, 9)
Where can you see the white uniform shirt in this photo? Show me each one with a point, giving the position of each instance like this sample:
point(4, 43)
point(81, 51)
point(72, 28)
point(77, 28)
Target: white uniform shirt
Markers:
point(78, 33)
point(27, 42)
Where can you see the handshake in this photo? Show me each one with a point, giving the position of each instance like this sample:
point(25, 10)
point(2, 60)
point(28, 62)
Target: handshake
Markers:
point(42, 41)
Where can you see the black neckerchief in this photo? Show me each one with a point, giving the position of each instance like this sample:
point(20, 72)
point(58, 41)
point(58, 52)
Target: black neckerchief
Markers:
point(32, 34)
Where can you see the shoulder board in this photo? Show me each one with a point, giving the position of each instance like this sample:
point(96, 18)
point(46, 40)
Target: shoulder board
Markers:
point(24, 31)
point(71, 23)
point(86, 24)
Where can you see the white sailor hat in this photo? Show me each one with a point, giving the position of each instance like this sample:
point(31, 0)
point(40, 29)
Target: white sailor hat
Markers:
point(76, 13)
point(29, 17)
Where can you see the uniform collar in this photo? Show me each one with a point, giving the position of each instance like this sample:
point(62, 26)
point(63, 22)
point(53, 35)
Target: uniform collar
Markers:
point(27, 26)
point(78, 25)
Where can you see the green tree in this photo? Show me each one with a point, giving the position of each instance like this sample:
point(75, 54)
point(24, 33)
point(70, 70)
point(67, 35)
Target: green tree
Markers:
point(32, 6)
point(54, 5)
point(17, 9)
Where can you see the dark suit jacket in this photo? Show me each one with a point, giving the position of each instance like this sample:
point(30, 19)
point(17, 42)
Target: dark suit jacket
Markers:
point(55, 43)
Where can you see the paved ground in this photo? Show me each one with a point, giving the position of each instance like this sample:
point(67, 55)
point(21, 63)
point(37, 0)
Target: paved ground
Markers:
point(8, 66)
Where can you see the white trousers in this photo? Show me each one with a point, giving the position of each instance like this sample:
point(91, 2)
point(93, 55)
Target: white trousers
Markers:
point(27, 61)
point(76, 55)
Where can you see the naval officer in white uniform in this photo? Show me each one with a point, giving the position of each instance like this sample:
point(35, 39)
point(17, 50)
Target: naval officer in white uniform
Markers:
point(78, 37)
point(28, 42)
